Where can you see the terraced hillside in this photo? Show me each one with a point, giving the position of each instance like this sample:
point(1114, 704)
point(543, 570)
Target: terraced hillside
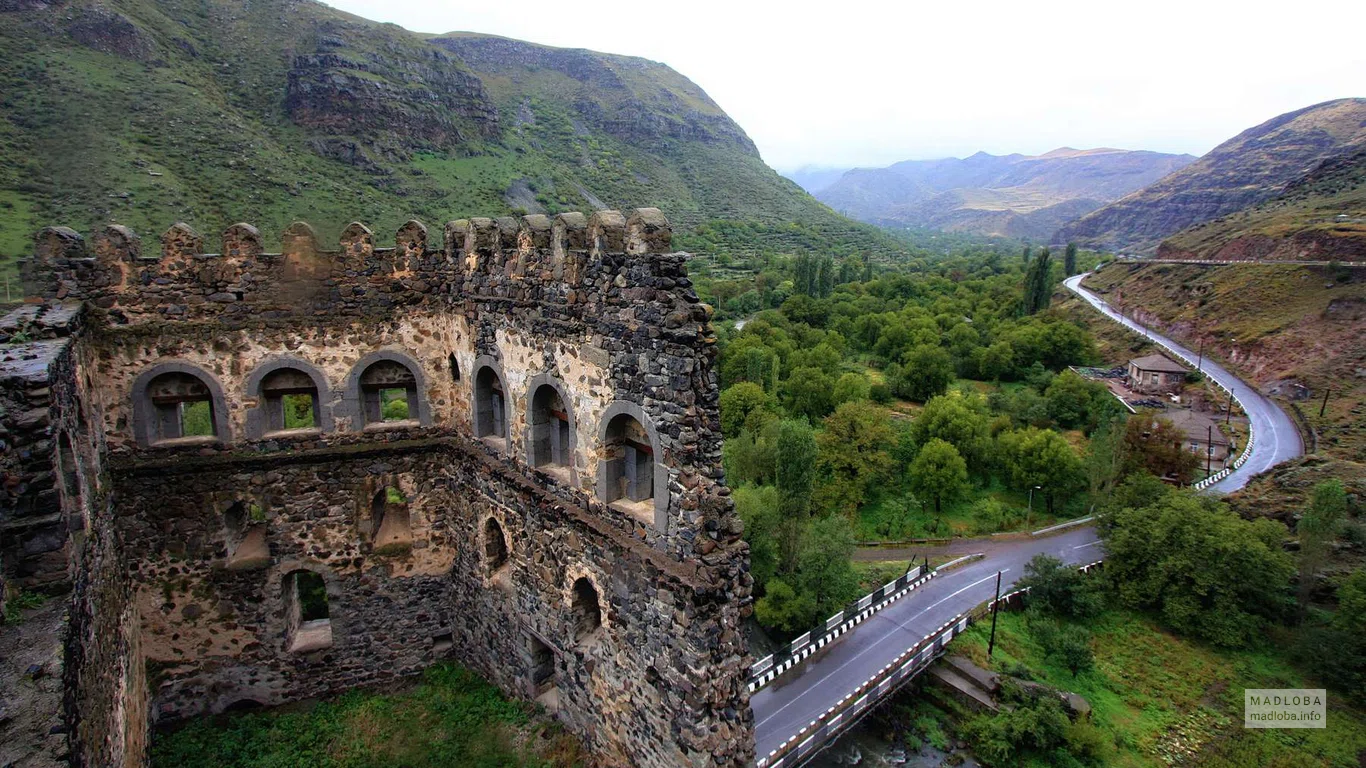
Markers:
point(144, 112)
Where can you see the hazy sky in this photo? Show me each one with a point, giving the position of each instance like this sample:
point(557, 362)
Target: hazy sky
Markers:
point(870, 83)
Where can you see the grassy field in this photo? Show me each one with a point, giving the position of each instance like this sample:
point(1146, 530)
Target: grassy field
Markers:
point(1158, 699)
point(451, 718)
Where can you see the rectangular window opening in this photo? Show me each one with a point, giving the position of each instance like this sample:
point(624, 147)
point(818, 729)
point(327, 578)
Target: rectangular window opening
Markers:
point(394, 404)
point(196, 419)
point(299, 411)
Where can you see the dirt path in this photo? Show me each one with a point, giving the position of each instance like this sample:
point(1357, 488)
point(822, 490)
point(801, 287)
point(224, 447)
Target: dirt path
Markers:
point(31, 688)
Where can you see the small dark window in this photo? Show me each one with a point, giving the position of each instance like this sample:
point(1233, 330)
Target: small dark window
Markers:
point(585, 610)
point(310, 617)
point(388, 392)
point(390, 523)
point(542, 667)
point(551, 444)
point(182, 406)
point(490, 405)
point(630, 460)
point(455, 367)
point(291, 401)
point(495, 545)
point(244, 527)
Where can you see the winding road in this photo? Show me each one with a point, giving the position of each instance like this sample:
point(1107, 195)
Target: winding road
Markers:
point(792, 701)
point(1276, 437)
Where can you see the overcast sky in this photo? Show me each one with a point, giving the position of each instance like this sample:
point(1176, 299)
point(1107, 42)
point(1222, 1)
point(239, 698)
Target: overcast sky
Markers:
point(869, 83)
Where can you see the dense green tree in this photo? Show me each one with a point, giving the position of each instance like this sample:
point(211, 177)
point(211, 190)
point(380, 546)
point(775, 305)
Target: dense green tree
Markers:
point(1203, 570)
point(1069, 260)
point(853, 455)
point(1317, 528)
point(1104, 460)
point(1041, 459)
point(961, 420)
point(939, 474)
point(852, 387)
point(795, 474)
point(822, 583)
point(996, 362)
point(757, 507)
point(751, 456)
point(1075, 402)
point(1056, 589)
point(749, 359)
point(739, 401)
point(925, 371)
point(1038, 283)
point(782, 607)
point(809, 392)
point(1157, 446)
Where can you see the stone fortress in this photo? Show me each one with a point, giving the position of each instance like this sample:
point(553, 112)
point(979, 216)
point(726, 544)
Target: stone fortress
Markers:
point(272, 476)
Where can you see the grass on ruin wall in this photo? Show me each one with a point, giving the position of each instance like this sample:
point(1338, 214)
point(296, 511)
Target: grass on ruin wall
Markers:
point(1163, 700)
point(451, 718)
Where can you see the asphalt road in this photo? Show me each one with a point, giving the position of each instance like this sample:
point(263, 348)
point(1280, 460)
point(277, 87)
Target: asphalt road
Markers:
point(791, 702)
point(1277, 438)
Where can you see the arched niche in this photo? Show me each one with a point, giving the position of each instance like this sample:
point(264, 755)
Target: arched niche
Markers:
point(632, 477)
point(491, 401)
point(551, 435)
point(167, 403)
point(279, 385)
point(364, 400)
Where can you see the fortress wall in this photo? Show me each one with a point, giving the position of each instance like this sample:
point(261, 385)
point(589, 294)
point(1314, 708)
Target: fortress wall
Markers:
point(217, 634)
point(592, 304)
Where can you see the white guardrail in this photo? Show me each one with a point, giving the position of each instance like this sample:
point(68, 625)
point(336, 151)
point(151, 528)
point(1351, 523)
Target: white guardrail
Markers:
point(852, 707)
point(767, 669)
point(1251, 437)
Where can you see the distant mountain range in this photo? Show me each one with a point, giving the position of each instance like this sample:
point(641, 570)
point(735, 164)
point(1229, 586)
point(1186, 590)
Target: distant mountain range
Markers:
point(1009, 195)
point(1295, 178)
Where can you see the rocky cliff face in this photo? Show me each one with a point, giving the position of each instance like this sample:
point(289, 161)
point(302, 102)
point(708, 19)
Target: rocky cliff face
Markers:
point(1252, 167)
point(1011, 195)
point(433, 100)
point(633, 99)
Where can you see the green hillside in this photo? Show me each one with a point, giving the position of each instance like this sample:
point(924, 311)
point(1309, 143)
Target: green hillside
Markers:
point(146, 112)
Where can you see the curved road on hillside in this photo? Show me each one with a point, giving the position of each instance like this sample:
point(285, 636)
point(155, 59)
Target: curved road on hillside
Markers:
point(1276, 437)
point(792, 701)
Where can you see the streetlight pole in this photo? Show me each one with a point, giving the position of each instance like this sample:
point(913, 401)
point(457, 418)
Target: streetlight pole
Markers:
point(1029, 516)
point(995, 607)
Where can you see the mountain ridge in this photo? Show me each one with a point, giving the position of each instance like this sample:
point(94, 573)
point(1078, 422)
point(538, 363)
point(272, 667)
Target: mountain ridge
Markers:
point(213, 112)
point(1249, 169)
point(1014, 195)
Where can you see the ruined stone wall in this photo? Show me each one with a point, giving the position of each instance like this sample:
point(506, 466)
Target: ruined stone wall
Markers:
point(59, 531)
point(594, 308)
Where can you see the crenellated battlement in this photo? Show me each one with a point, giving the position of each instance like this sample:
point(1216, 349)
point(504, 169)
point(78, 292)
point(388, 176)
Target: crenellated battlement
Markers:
point(568, 259)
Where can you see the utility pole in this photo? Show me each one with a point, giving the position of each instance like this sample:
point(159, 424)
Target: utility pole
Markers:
point(1209, 449)
point(1200, 366)
point(995, 606)
point(1325, 401)
point(1228, 417)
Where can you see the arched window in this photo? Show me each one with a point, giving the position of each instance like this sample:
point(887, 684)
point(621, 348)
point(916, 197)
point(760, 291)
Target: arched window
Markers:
point(550, 437)
point(390, 523)
point(388, 393)
point(585, 611)
point(490, 405)
point(244, 528)
point(308, 615)
point(182, 407)
point(630, 459)
point(291, 401)
point(495, 546)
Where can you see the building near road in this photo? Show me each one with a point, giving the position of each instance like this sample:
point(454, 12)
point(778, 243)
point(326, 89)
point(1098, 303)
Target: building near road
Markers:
point(1153, 374)
point(1202, 437)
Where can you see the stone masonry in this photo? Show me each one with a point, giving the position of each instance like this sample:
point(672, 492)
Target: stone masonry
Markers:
point(148, 470)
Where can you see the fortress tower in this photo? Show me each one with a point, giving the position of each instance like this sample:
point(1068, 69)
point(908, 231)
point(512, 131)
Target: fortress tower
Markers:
point(274, 476)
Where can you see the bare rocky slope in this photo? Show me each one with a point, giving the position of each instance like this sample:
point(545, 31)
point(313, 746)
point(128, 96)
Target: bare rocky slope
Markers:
point(1256, 166)
point(1010, 195)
